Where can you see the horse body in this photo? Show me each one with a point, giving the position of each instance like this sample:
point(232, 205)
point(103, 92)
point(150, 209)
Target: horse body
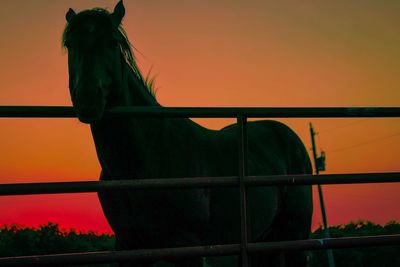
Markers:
point(145, 148)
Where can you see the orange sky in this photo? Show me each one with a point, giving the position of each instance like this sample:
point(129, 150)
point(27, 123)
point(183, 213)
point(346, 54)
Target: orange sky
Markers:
point(210, 53)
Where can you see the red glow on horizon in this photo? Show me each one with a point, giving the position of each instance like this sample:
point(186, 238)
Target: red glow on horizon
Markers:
point(81, 212)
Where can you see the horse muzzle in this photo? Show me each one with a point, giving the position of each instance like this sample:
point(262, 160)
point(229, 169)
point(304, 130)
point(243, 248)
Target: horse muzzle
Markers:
point(89, 114)
point(89, 104)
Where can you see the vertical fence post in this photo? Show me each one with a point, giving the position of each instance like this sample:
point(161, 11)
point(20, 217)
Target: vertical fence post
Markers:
point(242, 153)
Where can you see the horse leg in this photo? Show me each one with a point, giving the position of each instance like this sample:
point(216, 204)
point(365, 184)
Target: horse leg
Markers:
point(297, 222)
point(135, 264)
point(280, 259)
point(196, 262)
point(293, 222)
point(269, 260)
point(121, 245)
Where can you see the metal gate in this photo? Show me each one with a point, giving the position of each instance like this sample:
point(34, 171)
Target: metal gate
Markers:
point(242, 181)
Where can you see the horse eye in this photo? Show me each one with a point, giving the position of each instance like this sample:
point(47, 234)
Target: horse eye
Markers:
point(67, 44)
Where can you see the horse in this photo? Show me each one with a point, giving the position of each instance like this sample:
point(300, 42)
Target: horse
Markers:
point(103, 74)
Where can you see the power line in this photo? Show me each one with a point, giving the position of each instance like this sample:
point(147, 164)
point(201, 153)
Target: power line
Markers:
point(332, 129)
point(365, 143)
point(365, 195)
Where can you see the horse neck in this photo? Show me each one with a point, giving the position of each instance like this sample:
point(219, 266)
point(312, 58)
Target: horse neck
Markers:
point(133, 91)
point(125, 146)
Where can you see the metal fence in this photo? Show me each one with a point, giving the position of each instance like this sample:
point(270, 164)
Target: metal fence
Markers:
point(242, 181)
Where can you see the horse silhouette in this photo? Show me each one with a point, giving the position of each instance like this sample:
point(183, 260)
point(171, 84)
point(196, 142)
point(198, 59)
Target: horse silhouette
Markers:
point(102, 74)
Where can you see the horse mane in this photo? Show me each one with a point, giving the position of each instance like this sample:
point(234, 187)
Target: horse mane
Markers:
point(123, 42)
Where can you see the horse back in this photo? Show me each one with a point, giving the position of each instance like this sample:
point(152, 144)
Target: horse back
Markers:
point(273, 140)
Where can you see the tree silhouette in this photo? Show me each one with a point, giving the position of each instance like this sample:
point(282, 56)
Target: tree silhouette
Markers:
point(17, 240)
point(49, 239)
point(385, 256)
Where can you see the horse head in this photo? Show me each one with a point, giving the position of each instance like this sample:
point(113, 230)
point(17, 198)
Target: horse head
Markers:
point(93, 40)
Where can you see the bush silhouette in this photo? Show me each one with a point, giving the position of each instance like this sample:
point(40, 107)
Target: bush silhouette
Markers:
point(385, 256)
point(18, 240)
point(49, 239)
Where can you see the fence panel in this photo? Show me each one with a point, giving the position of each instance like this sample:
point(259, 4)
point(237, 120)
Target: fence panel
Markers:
point(242, 180)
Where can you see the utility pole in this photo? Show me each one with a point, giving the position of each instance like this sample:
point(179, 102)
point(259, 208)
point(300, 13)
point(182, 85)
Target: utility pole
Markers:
point(319, 163)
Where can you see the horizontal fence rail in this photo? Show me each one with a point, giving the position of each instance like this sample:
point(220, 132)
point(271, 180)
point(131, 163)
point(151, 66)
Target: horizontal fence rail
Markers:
point(217, 250)
point(205, 112)
point(179, 183)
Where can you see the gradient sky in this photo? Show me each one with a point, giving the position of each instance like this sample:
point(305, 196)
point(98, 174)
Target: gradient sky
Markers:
point(210, 53)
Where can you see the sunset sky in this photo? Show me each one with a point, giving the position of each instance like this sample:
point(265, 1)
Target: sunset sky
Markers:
point(210, 53)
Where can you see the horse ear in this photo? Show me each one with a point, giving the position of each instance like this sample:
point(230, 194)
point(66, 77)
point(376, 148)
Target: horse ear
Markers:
point(118, 14)
point(70, 15)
